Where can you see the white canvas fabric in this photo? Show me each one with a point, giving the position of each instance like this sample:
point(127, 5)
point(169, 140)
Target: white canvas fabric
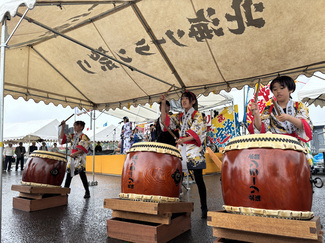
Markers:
point(313, 92)
point(203, 46)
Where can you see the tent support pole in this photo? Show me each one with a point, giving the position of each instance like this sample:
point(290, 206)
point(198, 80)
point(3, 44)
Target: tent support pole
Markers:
point(2, 81)
point(94, 183)
point(16, 27)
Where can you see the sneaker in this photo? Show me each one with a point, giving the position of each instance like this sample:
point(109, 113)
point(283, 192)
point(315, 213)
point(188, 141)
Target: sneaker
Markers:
point(87, 195)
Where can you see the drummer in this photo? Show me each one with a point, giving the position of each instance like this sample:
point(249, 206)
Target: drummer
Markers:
point(293, 120)
point(77, 162)
point(163, 136)
point(191, 137)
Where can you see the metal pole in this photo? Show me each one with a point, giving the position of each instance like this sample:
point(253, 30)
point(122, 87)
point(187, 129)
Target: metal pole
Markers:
point(244, 102)
point(94, 183)
point(234, 113)
point(2, 78)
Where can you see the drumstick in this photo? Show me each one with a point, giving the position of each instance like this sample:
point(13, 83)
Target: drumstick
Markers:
point(166, 93)
point(169, 90)
point(171, 133)
point(66, 119)
point(276, 107)
point(257, 90)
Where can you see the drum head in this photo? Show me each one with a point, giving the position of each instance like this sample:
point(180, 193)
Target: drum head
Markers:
point(48, 155)
point(162, 148)
point(265, 140)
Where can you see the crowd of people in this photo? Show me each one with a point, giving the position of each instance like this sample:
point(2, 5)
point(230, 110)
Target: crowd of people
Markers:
point(17, 154)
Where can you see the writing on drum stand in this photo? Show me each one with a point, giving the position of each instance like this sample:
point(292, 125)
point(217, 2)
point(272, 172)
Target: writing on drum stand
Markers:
point(132, 168)
point(253, 171)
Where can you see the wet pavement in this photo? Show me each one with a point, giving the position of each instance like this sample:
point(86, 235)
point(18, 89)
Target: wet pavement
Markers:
point(85, 220)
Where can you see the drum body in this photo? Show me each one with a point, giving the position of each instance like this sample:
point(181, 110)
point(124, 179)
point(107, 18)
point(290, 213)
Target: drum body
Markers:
point(267, 171)
point(152, 169)
point(44, 168)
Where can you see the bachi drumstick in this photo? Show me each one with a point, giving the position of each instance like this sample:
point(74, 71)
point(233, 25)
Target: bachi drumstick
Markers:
point(276, 107)
point(257, 90)
point(66, 119)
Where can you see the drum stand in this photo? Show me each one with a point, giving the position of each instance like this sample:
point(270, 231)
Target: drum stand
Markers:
point(34, 198)
point(138, 221)
point(263, 229)
point(188, 182)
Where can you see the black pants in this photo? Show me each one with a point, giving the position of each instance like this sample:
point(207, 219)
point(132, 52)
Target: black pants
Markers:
point(21, 163)
point(83, 178)
point(7, 161)
point(198, 176)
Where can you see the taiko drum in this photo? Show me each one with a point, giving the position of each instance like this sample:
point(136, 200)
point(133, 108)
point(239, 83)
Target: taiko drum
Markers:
point(44, 167)
point(268, 171)
point(152, 169)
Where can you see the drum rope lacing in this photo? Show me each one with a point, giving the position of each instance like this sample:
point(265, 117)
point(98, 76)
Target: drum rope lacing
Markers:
point(148, 198)
point(38, 184)
point(48, 155)
point(260, 212)
point(155, 147)
point(283, 142)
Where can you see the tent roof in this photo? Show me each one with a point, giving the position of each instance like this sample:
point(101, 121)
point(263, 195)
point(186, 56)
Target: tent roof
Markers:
point(31, 130)
point(130, 52)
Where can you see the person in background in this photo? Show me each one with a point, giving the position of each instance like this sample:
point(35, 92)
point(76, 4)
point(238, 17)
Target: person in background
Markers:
point(20, 152)
point(163, 136)
point(98, 148)
point(77, 161)
point(135, 137)
point(152, 133)
point(43, 147)
point(32, 147)
point(127, 132)
point(8, 153)
point(55, 149)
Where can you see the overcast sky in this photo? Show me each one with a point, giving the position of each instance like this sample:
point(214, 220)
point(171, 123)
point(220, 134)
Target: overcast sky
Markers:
point(20, 110)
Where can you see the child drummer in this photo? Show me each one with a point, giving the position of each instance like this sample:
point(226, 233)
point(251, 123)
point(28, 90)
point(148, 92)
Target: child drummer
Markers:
point(293, 119)
point(77, 162)
point(191, 136)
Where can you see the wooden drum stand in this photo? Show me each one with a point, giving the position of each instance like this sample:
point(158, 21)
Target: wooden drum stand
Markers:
point(138, 221)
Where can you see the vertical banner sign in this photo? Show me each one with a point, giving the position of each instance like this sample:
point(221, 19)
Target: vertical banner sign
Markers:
point(223, 127)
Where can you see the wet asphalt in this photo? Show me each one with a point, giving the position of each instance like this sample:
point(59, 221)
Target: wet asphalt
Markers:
point(85, 220)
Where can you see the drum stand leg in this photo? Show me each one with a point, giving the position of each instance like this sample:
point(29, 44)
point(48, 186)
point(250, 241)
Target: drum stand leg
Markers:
point(93, 183)
point(187, 187)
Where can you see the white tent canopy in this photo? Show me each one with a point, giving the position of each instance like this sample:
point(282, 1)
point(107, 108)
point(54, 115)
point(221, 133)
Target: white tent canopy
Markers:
point(107, 54)
point(313, 92)
point(149, 113)
point(106, 134)
point(31, 131)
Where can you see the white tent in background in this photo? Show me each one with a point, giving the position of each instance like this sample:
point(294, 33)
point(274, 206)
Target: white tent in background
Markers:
point(107, 134)
point(141, 113)
point(313, 92)
point(149, 113)
point(31, 131)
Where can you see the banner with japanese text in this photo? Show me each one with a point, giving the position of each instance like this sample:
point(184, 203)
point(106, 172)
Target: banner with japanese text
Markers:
point(224, 126)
